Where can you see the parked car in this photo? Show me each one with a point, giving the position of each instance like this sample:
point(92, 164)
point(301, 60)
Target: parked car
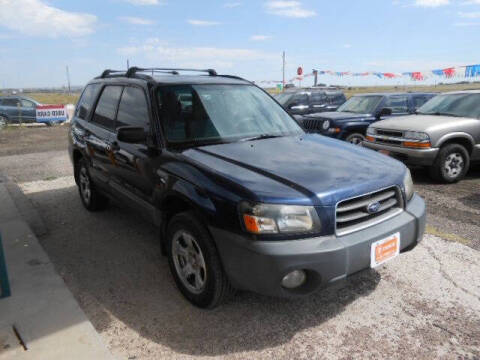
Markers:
point(444, 136)
point(244, 199)
point(351, 120)
point(17, 109)
point(309, 101)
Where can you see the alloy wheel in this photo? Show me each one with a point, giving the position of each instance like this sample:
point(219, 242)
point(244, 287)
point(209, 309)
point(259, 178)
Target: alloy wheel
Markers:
point(454, 165)
point(85, 187)
point(189, 261)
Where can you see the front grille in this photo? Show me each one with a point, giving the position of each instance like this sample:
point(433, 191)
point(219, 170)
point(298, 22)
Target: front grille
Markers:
point(352, 215)
point(388, 142)
point(313, 125)
point(392, 133)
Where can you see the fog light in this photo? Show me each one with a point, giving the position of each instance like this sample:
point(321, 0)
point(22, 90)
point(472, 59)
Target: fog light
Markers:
point(294, 279)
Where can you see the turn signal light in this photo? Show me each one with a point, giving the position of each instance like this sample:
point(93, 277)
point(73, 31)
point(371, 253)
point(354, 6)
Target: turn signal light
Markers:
point(417, 145)
point(257, 225)
point(370, 138)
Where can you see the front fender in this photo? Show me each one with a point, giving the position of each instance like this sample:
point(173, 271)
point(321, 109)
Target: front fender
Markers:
point(185, 192)
point(454, 135)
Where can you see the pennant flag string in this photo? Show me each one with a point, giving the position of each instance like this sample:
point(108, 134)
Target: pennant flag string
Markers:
point(468, 71)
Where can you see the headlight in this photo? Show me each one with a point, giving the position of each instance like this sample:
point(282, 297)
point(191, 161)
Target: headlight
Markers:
point(408, 185)
point(274, 219)
point(370, 131)
point(326, 125)
point(414, 135)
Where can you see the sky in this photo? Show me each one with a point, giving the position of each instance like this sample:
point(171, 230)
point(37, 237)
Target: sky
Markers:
point(39, 38)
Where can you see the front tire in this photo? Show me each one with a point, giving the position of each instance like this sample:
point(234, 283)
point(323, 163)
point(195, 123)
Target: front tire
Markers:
point(195, 263)
point(451, 165)
point(92, 200)
point(355, 139)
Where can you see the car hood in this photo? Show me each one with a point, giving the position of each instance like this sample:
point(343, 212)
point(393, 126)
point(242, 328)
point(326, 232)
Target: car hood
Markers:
point(308, 169)
point(337, 115)
point(422, 122)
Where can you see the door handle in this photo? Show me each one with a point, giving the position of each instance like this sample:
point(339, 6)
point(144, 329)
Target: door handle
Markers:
point(113, 146)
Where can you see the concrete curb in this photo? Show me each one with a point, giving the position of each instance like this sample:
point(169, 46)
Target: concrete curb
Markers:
point(41, 319)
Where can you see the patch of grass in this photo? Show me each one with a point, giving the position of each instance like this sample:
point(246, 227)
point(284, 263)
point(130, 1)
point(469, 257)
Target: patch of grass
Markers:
point(447, 236)
point(54, 98)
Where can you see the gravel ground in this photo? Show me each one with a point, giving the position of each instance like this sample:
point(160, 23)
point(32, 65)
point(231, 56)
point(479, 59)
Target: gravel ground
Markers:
point(425, 304)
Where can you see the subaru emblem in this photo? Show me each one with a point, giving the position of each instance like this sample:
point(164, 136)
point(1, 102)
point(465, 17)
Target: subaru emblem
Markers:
point(373, 207)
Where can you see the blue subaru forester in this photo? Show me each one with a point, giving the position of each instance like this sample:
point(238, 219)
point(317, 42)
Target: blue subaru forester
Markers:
point(243, 197)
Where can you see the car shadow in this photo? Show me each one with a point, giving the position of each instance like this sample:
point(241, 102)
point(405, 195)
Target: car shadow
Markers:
point(420, 176)
point(112, 263)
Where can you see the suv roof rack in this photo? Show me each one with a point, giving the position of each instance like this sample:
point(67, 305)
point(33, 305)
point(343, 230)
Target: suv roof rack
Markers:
point(133, 70)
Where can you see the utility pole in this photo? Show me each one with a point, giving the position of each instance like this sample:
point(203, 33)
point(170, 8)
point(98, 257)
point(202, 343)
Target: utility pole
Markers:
point(283, 71)
point(68, 80)
point(128, 65)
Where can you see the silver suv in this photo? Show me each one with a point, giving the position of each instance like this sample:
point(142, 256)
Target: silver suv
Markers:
point(444, 135)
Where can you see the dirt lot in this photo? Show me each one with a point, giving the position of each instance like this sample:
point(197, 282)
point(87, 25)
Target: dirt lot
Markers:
point(25, 140)
point(425, 304)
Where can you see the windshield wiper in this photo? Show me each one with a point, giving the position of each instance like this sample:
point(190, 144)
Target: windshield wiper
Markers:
point(261, 137)
point(438, 113)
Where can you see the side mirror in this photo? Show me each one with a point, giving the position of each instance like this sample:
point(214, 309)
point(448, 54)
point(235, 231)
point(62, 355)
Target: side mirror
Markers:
point(385, 112)
point(131, 134)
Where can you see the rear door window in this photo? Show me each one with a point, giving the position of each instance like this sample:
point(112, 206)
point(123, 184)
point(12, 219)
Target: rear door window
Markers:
point(133, 109)
point(398, 104)
point(318, 98)
point(86, 101)
point(106, 109)
point(336, 99)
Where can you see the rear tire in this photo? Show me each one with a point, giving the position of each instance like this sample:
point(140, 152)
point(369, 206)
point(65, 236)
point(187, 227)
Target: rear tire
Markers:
point(451, 165)
point(195, 263)
point(92, 200)
point(355, 139)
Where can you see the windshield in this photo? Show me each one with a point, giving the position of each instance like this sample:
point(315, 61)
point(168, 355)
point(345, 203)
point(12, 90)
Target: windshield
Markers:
point(463, 105)
point(361, 104)
point(202, 114)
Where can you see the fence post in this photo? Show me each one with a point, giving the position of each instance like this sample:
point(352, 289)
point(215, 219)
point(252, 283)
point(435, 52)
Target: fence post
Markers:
point(4, 284)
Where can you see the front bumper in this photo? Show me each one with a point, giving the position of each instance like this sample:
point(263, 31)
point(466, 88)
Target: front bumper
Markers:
point(421, 157)
point(259, 266)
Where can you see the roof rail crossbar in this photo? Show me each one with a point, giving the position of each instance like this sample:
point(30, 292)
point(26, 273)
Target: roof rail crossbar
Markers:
point(107, 72)
point(133, 70)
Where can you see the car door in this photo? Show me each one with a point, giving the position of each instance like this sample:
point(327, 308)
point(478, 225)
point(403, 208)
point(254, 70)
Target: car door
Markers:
point(28, 111)
point(100, 131)
point(131, 173)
